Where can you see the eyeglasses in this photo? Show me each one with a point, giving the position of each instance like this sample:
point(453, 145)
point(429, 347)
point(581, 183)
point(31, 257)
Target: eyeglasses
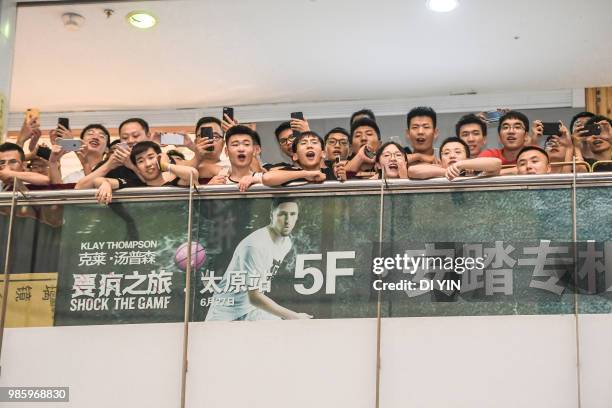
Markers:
point(9, 162)
point(216, 137)
point(517, 126)
point(286, 140)
point(334, 142)
point(396, 156)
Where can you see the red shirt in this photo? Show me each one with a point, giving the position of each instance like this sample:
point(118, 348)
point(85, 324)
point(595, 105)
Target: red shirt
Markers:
point(497, 153)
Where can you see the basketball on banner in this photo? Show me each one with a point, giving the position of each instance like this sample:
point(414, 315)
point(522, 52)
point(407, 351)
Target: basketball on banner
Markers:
point(198, 256)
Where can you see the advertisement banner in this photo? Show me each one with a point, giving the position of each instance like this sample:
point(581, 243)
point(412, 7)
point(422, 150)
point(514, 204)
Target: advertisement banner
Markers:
point(321, 257)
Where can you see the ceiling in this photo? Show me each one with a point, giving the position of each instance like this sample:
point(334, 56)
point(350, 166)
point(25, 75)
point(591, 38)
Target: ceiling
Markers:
point(240, 52)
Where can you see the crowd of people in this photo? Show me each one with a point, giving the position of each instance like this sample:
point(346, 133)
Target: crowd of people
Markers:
point(138, 158)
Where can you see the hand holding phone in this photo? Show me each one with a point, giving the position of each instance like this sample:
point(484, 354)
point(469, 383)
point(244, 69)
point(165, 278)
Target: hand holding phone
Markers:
point(176, 139)
point(551, 128)
point(70, 145)
point(298, 123)
point(229, 112)
point(65, 122)
point(207, 133)
point(590, 130)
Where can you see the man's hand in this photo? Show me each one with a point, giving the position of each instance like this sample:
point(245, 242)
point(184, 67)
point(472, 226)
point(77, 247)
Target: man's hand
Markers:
point(314, 176)
point(227, 122)
point(218, 179)
point(299, 125)
point(564, 139)
point(7, 175)
point(188, 143)
point(201, 146)
point(606, 130)
point(454, 170)
point(340, 171)
point(64, 133)
point(104, 193)
point(29, 130)
point(364, 158)
point(245, 182)
point(119, 157)
point(423, 158)
point(82, 153)
point(56, 154)
point(537, 130)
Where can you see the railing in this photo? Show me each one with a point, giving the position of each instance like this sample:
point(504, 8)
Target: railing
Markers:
point(66, 235)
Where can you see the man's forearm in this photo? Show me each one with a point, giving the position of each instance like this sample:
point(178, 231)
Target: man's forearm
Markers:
point(279, 177)
point(31, 178)
point(88, 180)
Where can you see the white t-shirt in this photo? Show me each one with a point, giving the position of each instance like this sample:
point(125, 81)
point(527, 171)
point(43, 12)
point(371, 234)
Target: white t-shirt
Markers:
point(255, 261)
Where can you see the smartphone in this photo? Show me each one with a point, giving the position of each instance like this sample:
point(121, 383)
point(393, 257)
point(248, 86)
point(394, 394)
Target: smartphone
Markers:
point(43, 152)
point(64, 122)
point(493, 116)
point(123, 145)
point(229, 112)
point(207, 133)
point(172, 139)
point(300, 116)
point(70, 145)
point(591, 130)
point(337, 160)
point(551, 128)
point(32, 113)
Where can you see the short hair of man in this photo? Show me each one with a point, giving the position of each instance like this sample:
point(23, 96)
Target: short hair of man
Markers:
point(143, 123)
point(455, 140)
point(422, 111)
point(242, 130)
point(597, 118)
point(337, 130)
point(470, 119)
point(281, 128)
point(99, 127)
point(363, 112)
point(142, 147)
point(175, 152)
point(205, 120)
point(364, 122)
point(302, 135)
point(533, 147)
point(513, 115)
point(578, 116)
point(9, 147)
point(380, 150)
point(281, 200)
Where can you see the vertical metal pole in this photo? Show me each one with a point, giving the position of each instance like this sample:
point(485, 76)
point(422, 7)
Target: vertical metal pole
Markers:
point(6, 268)
point(187, 296)
point(576, 299)
point(379, 297)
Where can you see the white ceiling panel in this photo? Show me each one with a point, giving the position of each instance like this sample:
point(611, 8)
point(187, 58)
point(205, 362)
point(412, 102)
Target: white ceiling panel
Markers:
point(240, 52)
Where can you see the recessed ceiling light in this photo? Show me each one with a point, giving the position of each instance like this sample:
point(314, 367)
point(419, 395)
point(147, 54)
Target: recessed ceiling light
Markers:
point(442, 6)
point(141, 19)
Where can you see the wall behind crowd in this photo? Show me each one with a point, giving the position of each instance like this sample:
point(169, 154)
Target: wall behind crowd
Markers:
point(396, 126)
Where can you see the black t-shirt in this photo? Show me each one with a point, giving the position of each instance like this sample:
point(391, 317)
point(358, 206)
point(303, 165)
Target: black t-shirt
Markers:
point(329, 174)
point(269, 166)
point(125, 176)
point(600, 167)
